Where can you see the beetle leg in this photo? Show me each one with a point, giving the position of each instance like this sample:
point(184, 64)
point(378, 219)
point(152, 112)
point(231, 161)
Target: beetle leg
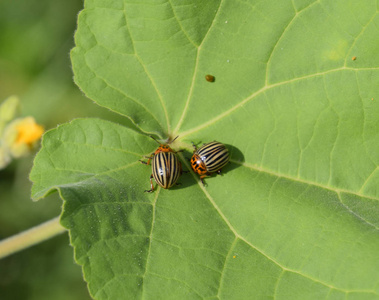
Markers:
point(202, 179)
point(151, 184)
point(148, 161)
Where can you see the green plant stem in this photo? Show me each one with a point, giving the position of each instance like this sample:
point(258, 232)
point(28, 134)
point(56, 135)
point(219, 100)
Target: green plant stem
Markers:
point(30, 237)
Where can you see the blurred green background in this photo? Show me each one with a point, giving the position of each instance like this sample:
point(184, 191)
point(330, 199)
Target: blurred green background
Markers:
point(35, 41)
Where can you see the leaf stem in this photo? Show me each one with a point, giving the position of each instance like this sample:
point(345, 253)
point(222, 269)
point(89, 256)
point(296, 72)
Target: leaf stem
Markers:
point(30, 237)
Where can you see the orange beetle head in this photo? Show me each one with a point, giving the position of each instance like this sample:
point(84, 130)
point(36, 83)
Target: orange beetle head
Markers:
point(164, 147)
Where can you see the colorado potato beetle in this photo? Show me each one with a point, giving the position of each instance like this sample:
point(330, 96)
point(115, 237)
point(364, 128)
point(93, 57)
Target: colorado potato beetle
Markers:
point(209, 158)
point(166, 167)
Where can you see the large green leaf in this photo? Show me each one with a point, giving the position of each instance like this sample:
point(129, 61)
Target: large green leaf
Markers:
point(296, 213)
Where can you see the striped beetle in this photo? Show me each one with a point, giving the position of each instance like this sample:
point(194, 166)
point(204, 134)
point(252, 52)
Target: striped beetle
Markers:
point(209, 158)
point(166, 166)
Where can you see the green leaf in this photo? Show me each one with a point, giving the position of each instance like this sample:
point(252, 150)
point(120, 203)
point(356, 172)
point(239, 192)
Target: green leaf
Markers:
point(295, 214)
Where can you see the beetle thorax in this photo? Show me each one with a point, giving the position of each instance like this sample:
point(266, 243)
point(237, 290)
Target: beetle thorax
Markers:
point(164, 148)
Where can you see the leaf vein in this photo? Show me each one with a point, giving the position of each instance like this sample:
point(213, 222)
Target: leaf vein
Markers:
point(150, 78)
point(102, 147)
point(211, 200)
point(180, 122)
point(323, 186)
point(277, 283)
point(188, 248)
point(355, 214)
point(180, 24)
point(180, 281)
point(123, 93)
point(357, 37)
point(262, 90)
point(232, 246)
point(150, 241)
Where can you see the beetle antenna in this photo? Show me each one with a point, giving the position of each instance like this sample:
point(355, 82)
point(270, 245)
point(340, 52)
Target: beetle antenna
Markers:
point(174, 140)
point(154, 139)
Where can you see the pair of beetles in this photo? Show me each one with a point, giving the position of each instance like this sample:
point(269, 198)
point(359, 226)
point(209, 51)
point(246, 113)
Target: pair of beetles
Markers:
point(166, 167)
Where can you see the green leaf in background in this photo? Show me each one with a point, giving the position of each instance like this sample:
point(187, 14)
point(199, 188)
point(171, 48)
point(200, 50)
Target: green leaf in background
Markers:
point(8, 110)
point(295, 215)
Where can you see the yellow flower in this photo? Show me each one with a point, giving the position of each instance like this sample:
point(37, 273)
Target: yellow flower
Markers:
point(21, 136)
point(28, 132)
point(18, 137)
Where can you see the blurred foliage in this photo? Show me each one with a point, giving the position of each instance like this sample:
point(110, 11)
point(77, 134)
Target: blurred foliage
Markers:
point(36, 37)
